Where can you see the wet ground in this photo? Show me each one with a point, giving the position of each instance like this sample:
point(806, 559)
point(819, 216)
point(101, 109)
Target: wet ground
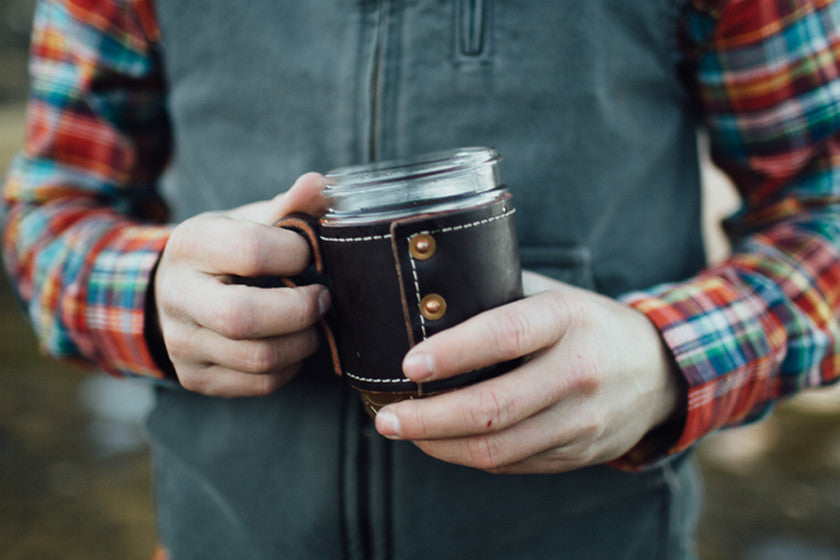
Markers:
point(75, 478)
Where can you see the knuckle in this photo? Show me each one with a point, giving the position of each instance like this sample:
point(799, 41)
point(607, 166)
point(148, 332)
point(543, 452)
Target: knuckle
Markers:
point(484, 454)
point(569, 455)
point(492, 410)
point(563, 304)
point(165, 295)
point(262, 358)
point(582, 447)
point(594, 424)
point(510, 334)
point(307, 309)
point(415, 425)
point(177, 341)
point(265, 385)
point(249, 248)
point(195, 382)
point(586, 373)
point(186, 236)
point(570, 313)
point(304, 307)
point(582, 454)
point(232, 319)
point(178, 238)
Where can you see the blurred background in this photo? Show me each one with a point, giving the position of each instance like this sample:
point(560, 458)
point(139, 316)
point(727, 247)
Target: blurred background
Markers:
point(75, 480)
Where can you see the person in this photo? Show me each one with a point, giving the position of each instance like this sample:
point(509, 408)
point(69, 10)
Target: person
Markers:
point(160, 141)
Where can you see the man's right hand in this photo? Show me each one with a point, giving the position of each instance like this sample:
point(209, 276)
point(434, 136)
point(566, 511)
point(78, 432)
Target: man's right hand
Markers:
point(227, 338)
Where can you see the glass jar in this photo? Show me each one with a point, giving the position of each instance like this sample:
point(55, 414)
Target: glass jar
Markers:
point(413, 247)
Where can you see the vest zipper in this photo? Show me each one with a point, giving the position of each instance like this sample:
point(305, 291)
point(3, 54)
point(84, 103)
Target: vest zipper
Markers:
point(472, 37)
point(363, 470)
point(377, 68)
point(357, 530)
point(472, 30)
point(363, 451)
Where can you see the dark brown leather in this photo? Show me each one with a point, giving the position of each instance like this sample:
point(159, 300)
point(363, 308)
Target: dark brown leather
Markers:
point(377, 286)
point(307, 226)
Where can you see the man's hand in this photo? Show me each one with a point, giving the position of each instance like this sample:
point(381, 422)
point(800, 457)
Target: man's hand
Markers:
point(595, 379)
point(224, 337)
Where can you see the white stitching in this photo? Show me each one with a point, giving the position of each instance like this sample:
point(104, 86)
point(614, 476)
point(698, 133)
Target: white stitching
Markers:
point(417, 293)
point(350, 239)
point(376, 380)
point(441, 230)
point(473, 224)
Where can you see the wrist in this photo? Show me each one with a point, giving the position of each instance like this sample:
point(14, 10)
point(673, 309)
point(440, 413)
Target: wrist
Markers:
point(152, 331)
point(674, 393)
point(668, 406)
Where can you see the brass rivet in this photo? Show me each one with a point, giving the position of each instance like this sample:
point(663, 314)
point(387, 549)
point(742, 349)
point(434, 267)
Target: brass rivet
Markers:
point(422, 246)
point(433, 307)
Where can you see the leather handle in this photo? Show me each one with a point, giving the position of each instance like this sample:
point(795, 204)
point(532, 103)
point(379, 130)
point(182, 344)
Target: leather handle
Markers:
point(307, 227)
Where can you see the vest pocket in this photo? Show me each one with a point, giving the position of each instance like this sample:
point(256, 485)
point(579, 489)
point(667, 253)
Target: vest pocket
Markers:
point(572, 265)
point(472, 30)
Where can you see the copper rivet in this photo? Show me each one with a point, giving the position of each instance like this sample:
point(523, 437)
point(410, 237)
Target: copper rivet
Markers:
point(422, 246)
point(433, 307)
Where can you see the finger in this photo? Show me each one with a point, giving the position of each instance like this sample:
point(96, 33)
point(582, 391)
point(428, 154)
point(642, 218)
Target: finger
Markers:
point(303, 196)
point(491, 452)
point(485, 407)
point(241, 312)
point(548, 379)
point(217, 244)
point(565, 435)
point(551, 461)
point(504, 333)
point(217, 381)
point(586, 450)
point(264, 356)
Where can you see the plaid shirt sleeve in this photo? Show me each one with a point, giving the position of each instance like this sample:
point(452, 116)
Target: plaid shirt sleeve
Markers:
point(764, 323)
point(83, 224)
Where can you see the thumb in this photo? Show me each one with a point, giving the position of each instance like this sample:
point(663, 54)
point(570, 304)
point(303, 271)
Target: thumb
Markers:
point(303, 196)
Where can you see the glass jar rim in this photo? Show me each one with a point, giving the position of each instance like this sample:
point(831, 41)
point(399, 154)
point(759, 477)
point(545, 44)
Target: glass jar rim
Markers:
point(449, 162)
point(401, 187)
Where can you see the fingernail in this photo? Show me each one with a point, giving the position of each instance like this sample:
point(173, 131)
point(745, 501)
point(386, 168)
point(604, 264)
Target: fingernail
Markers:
point(324, 301)
point(387, 423)
point(418, 367)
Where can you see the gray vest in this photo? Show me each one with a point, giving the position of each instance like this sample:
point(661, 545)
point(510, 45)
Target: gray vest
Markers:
point(583, 100)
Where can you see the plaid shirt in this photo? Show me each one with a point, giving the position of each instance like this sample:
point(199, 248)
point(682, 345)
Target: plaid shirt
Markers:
point(85, 225)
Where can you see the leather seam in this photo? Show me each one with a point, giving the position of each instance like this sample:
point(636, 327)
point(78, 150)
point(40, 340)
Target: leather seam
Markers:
point(376, 380)
point(417, 294)
point(381, 237)
point(448, 229)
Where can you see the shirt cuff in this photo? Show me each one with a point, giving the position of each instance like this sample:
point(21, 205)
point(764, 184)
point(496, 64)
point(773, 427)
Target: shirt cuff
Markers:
point(116, 300)
point(720, 345)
